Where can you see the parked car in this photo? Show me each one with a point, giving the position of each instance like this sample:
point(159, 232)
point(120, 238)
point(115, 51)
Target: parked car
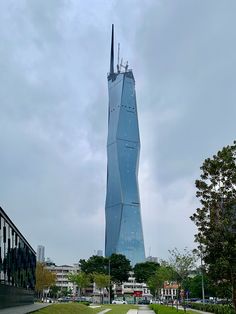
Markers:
point(47, 300)
point(119, 302)
point(64, 299)
point(144, 301)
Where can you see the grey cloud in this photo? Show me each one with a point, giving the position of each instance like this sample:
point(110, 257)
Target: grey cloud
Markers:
point(54, 58)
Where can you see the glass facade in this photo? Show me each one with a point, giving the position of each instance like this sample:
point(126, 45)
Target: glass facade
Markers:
point(123, 218)
point(17, 265)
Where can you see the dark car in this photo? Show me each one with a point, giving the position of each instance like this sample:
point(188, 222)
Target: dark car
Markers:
point(144, 301)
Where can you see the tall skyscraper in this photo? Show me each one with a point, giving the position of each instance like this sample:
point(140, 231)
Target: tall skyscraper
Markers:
point(124, 232)
point(40, 253)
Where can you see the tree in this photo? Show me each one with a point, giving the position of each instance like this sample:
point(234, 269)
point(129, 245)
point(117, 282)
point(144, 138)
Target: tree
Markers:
point(95, 264)
point(119, 268)
point(44, 278)
point(216, 218)
point(182, 263)
point(82, 280)
point(194, 286)
point(156, 282)
point(117, 264)
point(54, 291)
point(102, 281)
point(144, 271)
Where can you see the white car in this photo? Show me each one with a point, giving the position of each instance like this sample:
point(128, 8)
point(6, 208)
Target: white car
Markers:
point(119, 302)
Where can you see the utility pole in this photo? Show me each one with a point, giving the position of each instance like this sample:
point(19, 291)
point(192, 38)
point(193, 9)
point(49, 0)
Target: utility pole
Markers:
point(203, 289)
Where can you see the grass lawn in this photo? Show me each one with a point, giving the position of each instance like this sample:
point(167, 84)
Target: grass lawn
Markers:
point(75, 308)
point(162, 309)
point(68, 308)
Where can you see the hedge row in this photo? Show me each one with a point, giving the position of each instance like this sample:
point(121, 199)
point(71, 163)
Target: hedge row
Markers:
point(213, 308)
point(163, 309)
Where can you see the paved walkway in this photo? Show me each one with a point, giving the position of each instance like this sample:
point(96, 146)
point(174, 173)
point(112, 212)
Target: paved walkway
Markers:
point(144, 309)
point(24, 309)
point(104, 311)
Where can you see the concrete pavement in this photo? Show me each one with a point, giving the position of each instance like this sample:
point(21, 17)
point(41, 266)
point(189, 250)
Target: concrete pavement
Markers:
point(144, 309)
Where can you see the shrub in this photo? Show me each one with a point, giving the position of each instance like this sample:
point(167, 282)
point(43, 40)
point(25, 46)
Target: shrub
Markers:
point(213, 308)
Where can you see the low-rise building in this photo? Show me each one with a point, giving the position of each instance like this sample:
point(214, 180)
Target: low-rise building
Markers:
point(132, 291)
point(62, 273)
point(169, 290)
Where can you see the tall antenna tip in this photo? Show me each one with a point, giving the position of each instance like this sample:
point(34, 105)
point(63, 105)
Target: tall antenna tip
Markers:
point(112, 51)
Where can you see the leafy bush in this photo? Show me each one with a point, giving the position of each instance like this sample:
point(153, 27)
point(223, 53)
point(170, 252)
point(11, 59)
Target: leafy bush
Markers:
point(213, 308)
point(84, 302)
point(162, 309)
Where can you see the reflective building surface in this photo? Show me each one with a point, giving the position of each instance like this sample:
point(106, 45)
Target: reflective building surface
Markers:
point(17, 265)
point(123, 218)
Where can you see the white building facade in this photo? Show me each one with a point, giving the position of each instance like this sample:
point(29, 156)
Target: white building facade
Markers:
point(169, 291)
point(62, 273)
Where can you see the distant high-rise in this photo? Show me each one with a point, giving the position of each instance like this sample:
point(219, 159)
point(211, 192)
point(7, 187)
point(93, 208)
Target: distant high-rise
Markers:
point(124, 232)
point(99, 253)
point(40, 253)
point(152, 259)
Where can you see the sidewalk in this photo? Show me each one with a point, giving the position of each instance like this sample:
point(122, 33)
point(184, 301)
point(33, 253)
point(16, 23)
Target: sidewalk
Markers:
point(24, 309)
point(144, 309)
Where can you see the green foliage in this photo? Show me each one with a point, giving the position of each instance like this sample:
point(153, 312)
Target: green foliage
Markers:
point(70, 308)
point(182, 263)
point(95, 264)
point(213, 308)
point(162, 309)
point(101, 280)
point(82, 280)
point(119, 268)
point(119, 308)
point(156, 282)
point(194, 285)
point(78, 308)
point(144, 271)
point(63, 292)
point(54, 290)
point(216, 218)
point(87, 303)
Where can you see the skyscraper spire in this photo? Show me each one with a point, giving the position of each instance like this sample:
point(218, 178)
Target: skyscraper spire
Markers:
point(112, 51)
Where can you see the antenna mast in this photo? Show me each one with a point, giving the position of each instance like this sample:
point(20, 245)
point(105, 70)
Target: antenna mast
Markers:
point(118, 58)
point(112, 51)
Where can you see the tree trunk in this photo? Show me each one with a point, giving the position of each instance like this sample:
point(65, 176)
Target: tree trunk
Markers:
point(234, 293)
point(233, 281)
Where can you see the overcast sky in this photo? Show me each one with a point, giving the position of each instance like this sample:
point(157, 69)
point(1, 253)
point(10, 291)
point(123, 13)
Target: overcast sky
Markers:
point(54, 59)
